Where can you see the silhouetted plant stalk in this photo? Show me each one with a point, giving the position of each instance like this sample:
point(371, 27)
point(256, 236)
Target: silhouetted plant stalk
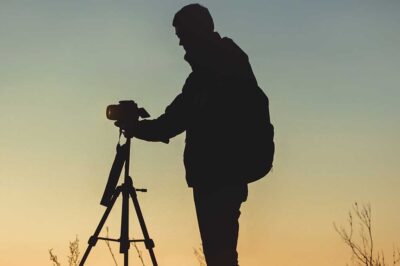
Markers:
point(54, 258)
point(200, 256)
point(139, 252)
point(73, 257)
point(363, 252)
point(110, 249)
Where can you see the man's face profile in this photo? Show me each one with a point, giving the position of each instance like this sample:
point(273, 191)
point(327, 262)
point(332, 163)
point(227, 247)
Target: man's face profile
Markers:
point(188, 39)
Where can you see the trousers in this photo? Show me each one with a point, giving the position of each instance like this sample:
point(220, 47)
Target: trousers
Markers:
point(218, 211)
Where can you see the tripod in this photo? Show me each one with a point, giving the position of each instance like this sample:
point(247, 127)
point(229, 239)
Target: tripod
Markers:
point(128, 191)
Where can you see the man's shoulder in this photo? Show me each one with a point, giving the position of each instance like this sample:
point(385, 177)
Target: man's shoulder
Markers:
point(190, 82)
point(230, 48)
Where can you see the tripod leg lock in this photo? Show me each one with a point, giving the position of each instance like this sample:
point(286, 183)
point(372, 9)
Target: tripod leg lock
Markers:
point(92, 241)
point(149, 243)
point(124, 246)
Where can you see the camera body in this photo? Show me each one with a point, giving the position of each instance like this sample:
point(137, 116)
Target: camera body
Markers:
point(125, 111)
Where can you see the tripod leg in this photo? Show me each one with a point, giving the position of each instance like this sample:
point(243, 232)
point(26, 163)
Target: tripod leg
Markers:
point(126, 257)
point(124, 238)
point(148, 242)
point(93, 239)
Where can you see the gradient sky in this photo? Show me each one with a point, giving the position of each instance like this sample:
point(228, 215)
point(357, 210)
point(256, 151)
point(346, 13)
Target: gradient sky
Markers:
point(330, 68)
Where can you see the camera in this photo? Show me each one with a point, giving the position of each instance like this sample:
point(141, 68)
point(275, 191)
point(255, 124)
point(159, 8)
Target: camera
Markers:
point(125, 111)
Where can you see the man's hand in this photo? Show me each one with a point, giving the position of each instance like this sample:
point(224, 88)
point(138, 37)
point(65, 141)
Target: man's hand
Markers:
point(127, 127)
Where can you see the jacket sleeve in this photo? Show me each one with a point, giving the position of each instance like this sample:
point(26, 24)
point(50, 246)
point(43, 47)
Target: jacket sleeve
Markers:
point(166, 126)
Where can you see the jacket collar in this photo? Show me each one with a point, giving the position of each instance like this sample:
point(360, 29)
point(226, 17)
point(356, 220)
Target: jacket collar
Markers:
point(203, 59)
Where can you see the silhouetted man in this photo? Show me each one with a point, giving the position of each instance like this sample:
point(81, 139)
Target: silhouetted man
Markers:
point(220, 108)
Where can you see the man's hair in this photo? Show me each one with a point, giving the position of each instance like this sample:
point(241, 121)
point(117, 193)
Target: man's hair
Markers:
point(195, 17)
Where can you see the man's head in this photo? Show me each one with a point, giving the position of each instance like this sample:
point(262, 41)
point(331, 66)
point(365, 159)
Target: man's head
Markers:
point(193, 26)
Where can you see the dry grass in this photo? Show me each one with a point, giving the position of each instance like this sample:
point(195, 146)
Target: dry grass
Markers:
point(74, 253)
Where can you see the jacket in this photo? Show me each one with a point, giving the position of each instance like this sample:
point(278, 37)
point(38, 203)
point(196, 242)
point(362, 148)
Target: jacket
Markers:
point(224, 114)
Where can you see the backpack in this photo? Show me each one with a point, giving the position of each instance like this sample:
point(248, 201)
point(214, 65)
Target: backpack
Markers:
point(257, 144)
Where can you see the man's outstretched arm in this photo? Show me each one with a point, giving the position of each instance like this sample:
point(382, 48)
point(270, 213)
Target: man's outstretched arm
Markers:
point(166, 126)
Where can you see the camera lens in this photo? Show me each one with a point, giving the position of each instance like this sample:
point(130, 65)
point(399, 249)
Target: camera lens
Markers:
point(112, 112)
